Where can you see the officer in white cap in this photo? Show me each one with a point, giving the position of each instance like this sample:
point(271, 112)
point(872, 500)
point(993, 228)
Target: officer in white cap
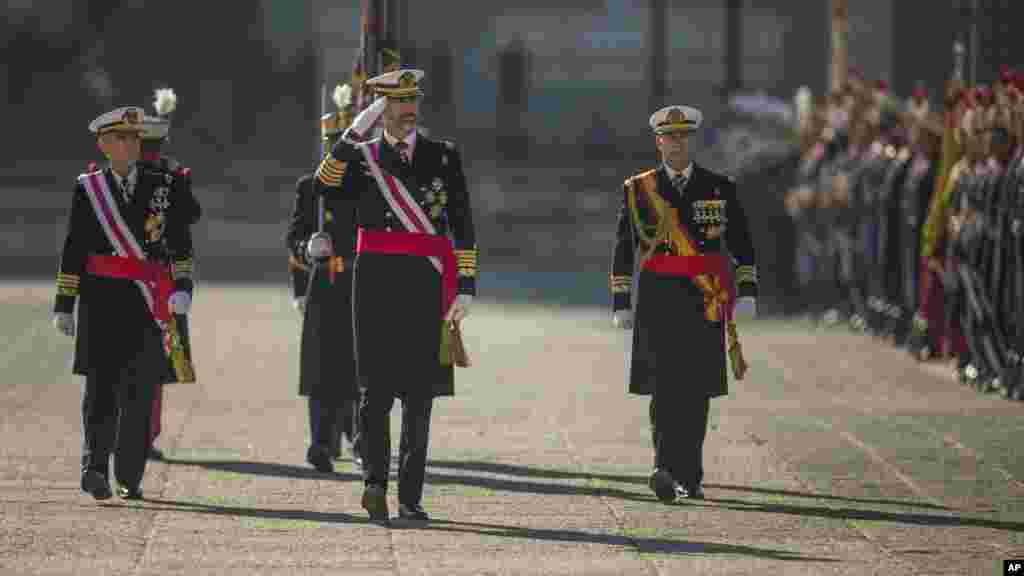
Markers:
point(323, 296)
point(678, 225)
point(125, 227)
point(412, 286)
point(155, 134)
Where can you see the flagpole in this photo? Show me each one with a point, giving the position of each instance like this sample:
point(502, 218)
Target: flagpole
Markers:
point(323, 152)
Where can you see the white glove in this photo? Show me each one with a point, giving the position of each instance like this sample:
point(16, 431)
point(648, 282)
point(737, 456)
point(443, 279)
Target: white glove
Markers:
point(299, 303)
point(460, 308)
point(319, 247)
point(64, 322)
point(364, 121)
point(180, 303)
point(623, 319)
point(745, 308)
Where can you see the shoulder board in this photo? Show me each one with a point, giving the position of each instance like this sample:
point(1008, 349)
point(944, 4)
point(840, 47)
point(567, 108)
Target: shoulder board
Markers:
point(184, 171)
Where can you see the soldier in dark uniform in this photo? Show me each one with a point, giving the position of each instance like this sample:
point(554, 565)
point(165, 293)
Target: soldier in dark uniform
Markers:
point(324, 295)
point(676, 224)
point(914, 198)
point(154, 136)
point(126, 232)
point(410, 287)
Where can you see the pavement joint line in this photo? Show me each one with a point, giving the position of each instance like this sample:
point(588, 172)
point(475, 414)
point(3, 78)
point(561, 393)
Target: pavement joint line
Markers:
point(971, 453)
point(891, 468)
point(787, 375)
point(874, 455)
point(619, 520)
point(866, 448)
point(947, 439)
point(165, 471)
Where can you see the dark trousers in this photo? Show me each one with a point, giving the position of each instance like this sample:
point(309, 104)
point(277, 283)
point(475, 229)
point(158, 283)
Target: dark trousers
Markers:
point(679, 438)
point(329, 424)
point(374, 423)
point(116, 411)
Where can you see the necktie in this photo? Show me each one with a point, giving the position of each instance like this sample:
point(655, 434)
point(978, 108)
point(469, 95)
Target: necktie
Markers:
point(679, 182)
point(126, 191)
point(403, 151)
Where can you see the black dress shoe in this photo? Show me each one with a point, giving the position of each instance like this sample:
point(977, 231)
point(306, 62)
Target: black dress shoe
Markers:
point(129, 493)
point(320, 458)
point(663, 486)
point(375, 502)
point(96, 484)
point(691, 492)
point(413, 512)
point(155, 454)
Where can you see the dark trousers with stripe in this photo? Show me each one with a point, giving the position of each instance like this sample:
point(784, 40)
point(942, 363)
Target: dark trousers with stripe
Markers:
point(374, 422)
point(116, 412)
point(678, 430)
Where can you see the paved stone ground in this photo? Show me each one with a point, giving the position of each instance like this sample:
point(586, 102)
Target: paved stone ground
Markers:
point(838, 455)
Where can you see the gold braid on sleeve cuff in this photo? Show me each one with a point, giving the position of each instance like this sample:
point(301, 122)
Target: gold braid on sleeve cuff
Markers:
point(68, 284)
point(466, 262)
point(331, 171)
point(182, 269)
point(746, 274)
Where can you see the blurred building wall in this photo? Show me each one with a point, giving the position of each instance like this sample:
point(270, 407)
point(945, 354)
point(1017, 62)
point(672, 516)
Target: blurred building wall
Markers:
point(549, 101)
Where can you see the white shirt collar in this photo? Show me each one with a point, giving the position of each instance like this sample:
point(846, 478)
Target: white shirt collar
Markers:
point(686, 173)
point(131, 177)
point(410, 140)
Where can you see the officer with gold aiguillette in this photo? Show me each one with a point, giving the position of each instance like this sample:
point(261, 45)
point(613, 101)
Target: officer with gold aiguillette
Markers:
point(675, 225)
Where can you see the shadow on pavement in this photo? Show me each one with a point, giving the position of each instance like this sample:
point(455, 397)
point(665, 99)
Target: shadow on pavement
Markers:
point(911, 518)
point(265, 469)
point(518, 470)
point(647, 545)
point(433, 478)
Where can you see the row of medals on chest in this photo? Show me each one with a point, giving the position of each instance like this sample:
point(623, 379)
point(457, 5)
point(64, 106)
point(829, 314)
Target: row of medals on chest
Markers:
point(435, 198)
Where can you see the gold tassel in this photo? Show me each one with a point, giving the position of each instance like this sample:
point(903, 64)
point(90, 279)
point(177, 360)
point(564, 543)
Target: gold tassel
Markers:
point(446, 357)
point(183, 369)
point(736, 359)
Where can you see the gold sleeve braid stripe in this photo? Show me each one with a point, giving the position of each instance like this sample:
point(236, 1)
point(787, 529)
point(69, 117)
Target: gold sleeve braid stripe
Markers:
point(331, 171)
point(621, 284)
point(746, 274)
point(68, 284)
point(183, 268)
point(466, 261)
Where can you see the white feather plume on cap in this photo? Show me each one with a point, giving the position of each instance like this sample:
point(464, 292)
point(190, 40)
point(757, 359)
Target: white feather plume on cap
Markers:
point(342, 95)
point(804, 104)
point(165, 101)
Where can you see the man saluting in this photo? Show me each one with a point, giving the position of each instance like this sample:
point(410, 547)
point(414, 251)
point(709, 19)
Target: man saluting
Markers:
point(409, 286)
point(676, 223)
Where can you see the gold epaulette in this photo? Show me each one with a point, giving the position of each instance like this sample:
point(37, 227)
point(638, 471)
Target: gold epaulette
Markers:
point(182, 268)
point(746, 274)
point(466, 261)
point(68, 284)
point(643, 175)
point(331, 171)
point(620, 284)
